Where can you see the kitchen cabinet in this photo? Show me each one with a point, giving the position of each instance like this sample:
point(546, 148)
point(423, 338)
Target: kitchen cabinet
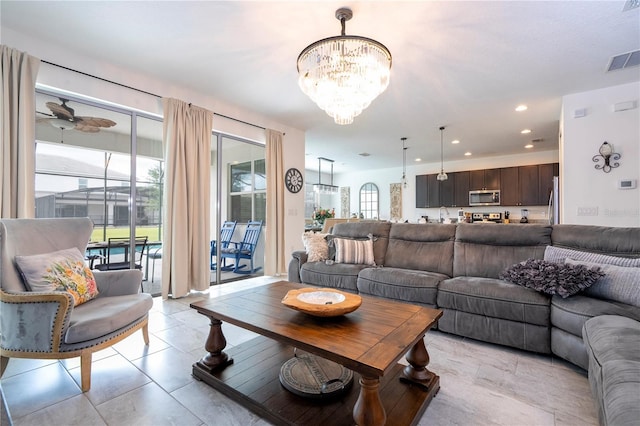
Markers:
point(484, 179)
point(421, 191)
point(447, 191)
point(461, 189)
point(546, 172)
point(433, 191)
point(527, 185)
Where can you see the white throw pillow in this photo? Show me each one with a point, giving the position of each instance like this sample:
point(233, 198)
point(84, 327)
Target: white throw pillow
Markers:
point(316, 246)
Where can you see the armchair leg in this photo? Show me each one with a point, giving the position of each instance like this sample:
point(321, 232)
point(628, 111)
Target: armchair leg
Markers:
point(3, 364)
point(145, 333)
point(85, 370)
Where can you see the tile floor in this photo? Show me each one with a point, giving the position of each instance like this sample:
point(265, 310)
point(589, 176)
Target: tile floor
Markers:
point(481, 384)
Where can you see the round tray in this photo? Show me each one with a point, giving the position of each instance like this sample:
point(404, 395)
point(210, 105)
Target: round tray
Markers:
point(322, 302)
point(314, 377)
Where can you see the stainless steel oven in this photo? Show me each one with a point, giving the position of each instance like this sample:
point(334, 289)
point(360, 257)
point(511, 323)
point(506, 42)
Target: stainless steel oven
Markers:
point(484, 197)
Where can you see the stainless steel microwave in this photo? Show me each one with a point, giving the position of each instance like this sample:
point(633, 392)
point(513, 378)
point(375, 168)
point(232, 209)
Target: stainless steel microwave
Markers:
point(484, 197)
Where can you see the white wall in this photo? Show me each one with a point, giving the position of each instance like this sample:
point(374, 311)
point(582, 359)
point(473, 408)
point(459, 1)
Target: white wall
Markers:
point(384, 177)
point(590, 196)
point(79, 84)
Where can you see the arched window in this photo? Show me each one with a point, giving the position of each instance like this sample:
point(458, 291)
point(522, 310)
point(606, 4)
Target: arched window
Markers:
point(369, 201)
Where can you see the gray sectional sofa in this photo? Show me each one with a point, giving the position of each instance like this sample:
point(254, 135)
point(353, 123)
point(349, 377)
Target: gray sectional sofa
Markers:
point(456, 268)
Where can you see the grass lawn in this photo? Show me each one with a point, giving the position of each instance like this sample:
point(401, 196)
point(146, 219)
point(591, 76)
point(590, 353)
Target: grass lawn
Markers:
point(152, 232)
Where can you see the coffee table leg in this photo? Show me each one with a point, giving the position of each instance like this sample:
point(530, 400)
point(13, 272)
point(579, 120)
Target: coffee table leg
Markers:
point(215, 344)
point(368, 410)
point(416, 371)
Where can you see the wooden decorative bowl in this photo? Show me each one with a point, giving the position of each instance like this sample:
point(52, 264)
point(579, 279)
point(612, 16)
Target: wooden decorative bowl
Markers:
point(322, 302)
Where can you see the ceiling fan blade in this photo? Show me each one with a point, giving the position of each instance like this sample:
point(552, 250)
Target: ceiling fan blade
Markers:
point(45, 113)
point(95, 122)
point(81, 126)
point(60, 111)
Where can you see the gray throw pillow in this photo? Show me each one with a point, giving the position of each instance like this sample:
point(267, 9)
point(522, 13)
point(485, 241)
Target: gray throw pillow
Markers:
point(551, 278)
point(620, 283)
point(559, 254)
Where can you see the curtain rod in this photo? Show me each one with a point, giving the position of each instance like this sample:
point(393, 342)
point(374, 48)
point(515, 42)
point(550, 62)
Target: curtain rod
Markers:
point(142, 91)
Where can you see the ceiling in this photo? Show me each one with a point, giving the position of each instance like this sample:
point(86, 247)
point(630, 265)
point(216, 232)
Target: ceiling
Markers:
point(463, 65)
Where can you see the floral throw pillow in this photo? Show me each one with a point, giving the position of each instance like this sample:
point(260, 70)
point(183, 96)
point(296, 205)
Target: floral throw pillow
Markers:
point(552, 278)
point(63, 270)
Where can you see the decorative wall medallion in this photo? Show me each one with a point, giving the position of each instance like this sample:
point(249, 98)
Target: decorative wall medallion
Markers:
point(293, 180)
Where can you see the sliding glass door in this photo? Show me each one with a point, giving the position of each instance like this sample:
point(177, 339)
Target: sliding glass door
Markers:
point(238, 194)
point(104, 163)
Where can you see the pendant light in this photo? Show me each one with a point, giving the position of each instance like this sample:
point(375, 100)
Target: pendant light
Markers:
point(321, 187)
point(404, 163)
point(442, 175)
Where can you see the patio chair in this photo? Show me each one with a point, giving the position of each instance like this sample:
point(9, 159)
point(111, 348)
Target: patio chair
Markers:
point(117, 256)
point(243, 250)
point(226, 234)
point(49, 322)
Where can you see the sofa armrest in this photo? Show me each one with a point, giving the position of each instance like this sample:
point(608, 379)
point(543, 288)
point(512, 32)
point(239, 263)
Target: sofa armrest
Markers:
point(47, 315)
point(118, 283)
point(298, 258)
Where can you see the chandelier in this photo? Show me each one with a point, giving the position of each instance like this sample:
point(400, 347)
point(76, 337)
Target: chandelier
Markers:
point(344, 74)
point(442, 175)
point(321, 187)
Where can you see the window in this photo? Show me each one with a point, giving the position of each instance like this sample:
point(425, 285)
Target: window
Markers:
point(247, 191)
point(369, 201)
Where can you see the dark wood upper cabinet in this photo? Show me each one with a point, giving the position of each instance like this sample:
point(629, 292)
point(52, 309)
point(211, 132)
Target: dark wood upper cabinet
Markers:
point(447, 191)
point(433, 192)
point(529, 186)
point(509, 188)
point(421, 191)
point(461, 189)
point(484, 179)
point(546, 172)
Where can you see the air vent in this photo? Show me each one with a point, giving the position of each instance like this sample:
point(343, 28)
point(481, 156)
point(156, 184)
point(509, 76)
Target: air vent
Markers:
point(538, 140)
point(626, 60)
point(364, 154)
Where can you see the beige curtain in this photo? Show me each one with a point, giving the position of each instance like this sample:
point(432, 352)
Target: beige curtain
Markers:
point(274, 263)
point(186, 233)
point(17, 124)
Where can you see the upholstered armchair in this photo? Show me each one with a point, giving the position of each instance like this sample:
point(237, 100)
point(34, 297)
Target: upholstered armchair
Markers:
point(53, 324)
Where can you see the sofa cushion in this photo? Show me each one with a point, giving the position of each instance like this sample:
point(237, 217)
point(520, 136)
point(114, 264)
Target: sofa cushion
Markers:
point(570, 314)
point(421, 247)
point(613, 241)
point(62, 270)
point(401, 284)
point(612, 344)
point(552, 278)
point(483, 250)
point(342, 276)
point(619, 283)
point(104, 315)
point(494, 298)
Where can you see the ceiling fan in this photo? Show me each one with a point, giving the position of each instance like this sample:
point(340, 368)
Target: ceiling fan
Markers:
point(63, 117)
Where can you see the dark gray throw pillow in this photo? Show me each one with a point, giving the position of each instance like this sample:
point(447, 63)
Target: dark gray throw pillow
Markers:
point(552, 278)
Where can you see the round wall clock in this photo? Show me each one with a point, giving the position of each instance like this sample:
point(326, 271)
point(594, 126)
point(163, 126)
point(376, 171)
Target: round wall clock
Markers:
point(293, 180)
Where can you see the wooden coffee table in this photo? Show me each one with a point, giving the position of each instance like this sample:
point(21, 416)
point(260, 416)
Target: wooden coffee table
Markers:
point(369, 341)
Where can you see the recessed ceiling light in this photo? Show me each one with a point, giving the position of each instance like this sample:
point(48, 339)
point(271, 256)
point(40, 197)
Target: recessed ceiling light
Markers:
point(525, 131)
point(529, 146)
point(467, 153)
point(455, 141)
point(520, 108)
point(418, 159)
